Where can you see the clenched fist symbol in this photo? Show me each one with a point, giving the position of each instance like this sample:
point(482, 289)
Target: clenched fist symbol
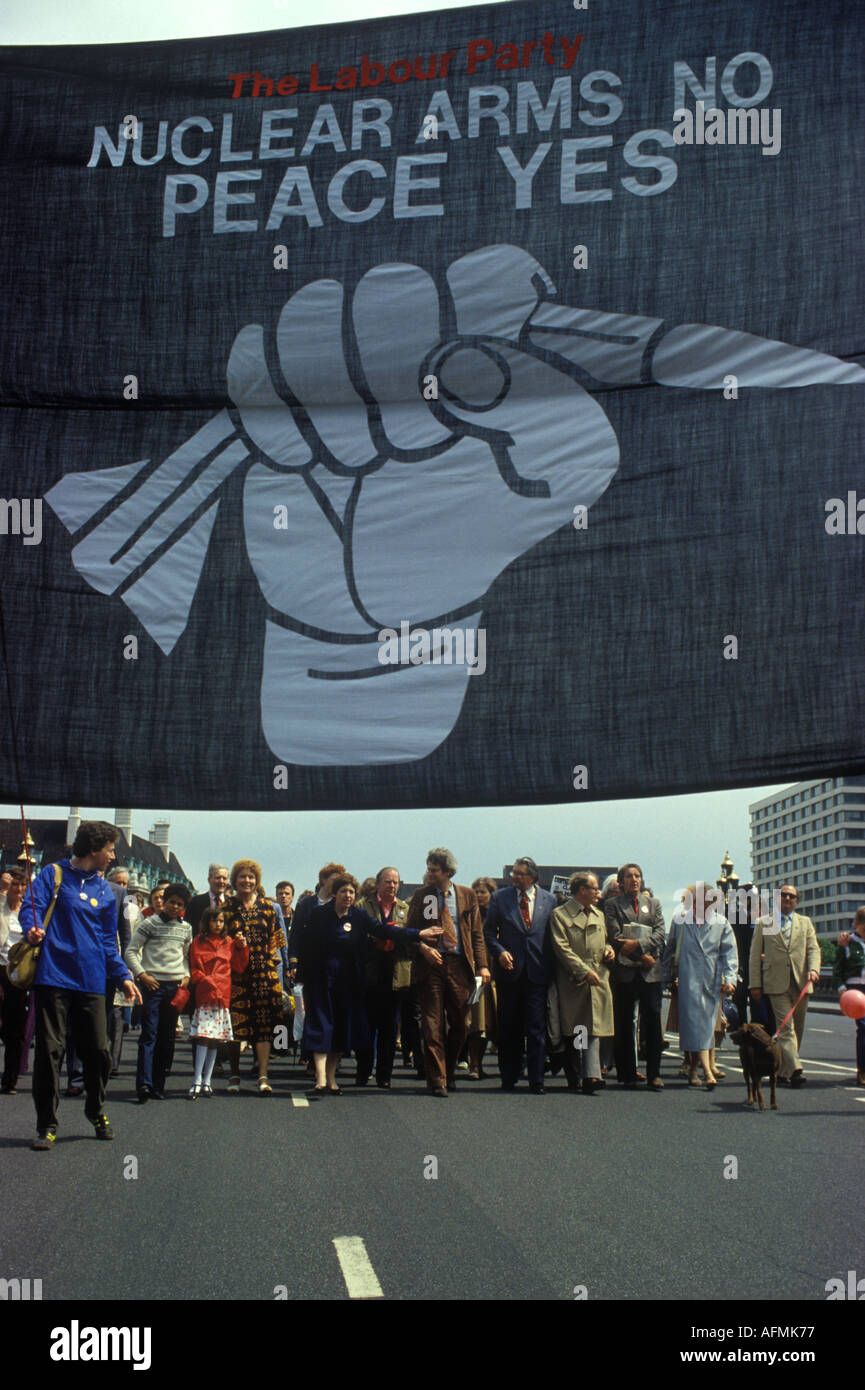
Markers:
point(407, 444)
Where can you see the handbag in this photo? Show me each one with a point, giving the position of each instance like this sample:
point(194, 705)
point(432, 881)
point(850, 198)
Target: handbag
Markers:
point(184, 999)
point(181, 999)
point(24, 956)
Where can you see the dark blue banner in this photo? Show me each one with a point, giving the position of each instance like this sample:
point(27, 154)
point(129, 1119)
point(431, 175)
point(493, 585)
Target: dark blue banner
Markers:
point(463, 408)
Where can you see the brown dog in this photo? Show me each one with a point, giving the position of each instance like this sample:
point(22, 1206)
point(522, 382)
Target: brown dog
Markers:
point(760, 1056)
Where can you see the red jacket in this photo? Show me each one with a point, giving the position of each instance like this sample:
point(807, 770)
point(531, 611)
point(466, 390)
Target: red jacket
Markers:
point(212, 959)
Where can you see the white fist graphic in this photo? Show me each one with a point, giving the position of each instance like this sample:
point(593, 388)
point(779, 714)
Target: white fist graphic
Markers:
point(407, 444)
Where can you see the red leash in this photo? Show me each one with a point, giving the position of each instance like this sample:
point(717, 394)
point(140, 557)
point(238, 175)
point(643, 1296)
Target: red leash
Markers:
point(26, 849)
point(792, 1011)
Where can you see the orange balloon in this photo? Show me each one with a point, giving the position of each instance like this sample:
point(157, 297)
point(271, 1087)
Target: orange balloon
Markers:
point(852, 1003)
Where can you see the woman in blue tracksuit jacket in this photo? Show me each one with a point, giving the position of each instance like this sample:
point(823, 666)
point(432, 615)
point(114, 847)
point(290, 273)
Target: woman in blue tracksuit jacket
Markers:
point(78, 962)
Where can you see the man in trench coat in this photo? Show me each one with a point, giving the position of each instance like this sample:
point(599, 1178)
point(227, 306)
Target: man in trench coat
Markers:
point(583, 959)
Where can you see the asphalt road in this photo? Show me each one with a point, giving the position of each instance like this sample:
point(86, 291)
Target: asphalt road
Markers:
point(623, 1195)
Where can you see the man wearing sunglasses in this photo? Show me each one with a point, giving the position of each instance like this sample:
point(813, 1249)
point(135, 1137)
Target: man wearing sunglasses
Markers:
point(785, 957)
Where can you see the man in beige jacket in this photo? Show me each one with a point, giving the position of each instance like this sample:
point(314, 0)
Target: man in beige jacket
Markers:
point(785, 954)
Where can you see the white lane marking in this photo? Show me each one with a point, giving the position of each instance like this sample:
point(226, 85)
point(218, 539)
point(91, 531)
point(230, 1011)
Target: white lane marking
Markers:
point(830, 1031)
point(300, 1102)
point(833, 1066)
point(357, 1271)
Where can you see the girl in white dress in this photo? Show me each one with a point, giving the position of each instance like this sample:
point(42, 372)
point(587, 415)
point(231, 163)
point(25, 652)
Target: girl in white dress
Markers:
point(213, 958)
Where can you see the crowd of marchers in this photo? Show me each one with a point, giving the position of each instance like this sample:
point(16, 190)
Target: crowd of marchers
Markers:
point(449, 977)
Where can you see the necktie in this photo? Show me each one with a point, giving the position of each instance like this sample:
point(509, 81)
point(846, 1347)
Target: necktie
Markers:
point(449, 936)
point(524, 909)
point(387, 919)
point(637, 906)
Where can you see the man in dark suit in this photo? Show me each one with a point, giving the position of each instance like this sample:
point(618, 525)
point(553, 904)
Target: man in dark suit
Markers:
point(516, 931)
point(217, 878)
point(636, 932)
point(445, 973)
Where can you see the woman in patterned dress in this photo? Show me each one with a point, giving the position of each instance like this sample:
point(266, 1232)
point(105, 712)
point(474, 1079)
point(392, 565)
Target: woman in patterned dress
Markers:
point(256, 995)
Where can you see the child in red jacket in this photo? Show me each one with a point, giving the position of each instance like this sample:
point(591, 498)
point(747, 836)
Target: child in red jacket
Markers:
point(213, 957)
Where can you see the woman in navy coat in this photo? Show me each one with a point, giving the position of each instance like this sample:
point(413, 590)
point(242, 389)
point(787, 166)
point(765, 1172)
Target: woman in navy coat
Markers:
point(332, 962)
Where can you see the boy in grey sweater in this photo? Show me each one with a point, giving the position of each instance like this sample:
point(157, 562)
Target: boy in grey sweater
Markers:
point(158, 956)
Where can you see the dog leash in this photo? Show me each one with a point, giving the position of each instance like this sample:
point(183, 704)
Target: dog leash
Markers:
point(792, 1011)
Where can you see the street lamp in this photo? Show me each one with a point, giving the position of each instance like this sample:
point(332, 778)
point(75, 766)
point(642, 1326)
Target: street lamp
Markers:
point(27, 855)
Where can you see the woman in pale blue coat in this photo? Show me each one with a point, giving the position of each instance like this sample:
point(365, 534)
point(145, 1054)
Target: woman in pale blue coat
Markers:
point(700, 955)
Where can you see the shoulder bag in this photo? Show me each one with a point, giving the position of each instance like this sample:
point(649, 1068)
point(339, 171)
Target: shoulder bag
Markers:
point(24, 956)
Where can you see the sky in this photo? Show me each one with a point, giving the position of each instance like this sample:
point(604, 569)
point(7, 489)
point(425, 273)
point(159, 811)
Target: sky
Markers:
point(676, 839)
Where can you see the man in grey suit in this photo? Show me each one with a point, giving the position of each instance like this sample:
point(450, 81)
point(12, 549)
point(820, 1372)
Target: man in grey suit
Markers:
point(516, 930)
point(635, 930)
point(785, 956)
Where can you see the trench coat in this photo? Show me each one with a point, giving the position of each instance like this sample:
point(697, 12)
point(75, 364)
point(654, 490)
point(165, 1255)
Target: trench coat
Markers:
point(579, 939)
point(707, 959)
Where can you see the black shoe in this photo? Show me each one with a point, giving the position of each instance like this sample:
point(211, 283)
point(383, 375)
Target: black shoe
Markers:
point(361, 1080)
point(629, 1085)
point(156, 1095)
point(452, 1085)
point(509, 1085)
point(537, 1088)
point(383, 1085)
point(73, 1091)
point(143, 1094)
point(440, 1092)
point(102, 1128)
point(798, 1078)
point(44, 1139)
point(591, 1086)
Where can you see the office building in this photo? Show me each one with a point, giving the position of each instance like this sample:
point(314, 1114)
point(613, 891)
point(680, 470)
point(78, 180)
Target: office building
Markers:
point(813, 835)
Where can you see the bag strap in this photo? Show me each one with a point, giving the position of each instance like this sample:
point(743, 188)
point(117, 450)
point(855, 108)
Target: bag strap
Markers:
point(58, 879)
point(680, 933)
point(674, 974)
